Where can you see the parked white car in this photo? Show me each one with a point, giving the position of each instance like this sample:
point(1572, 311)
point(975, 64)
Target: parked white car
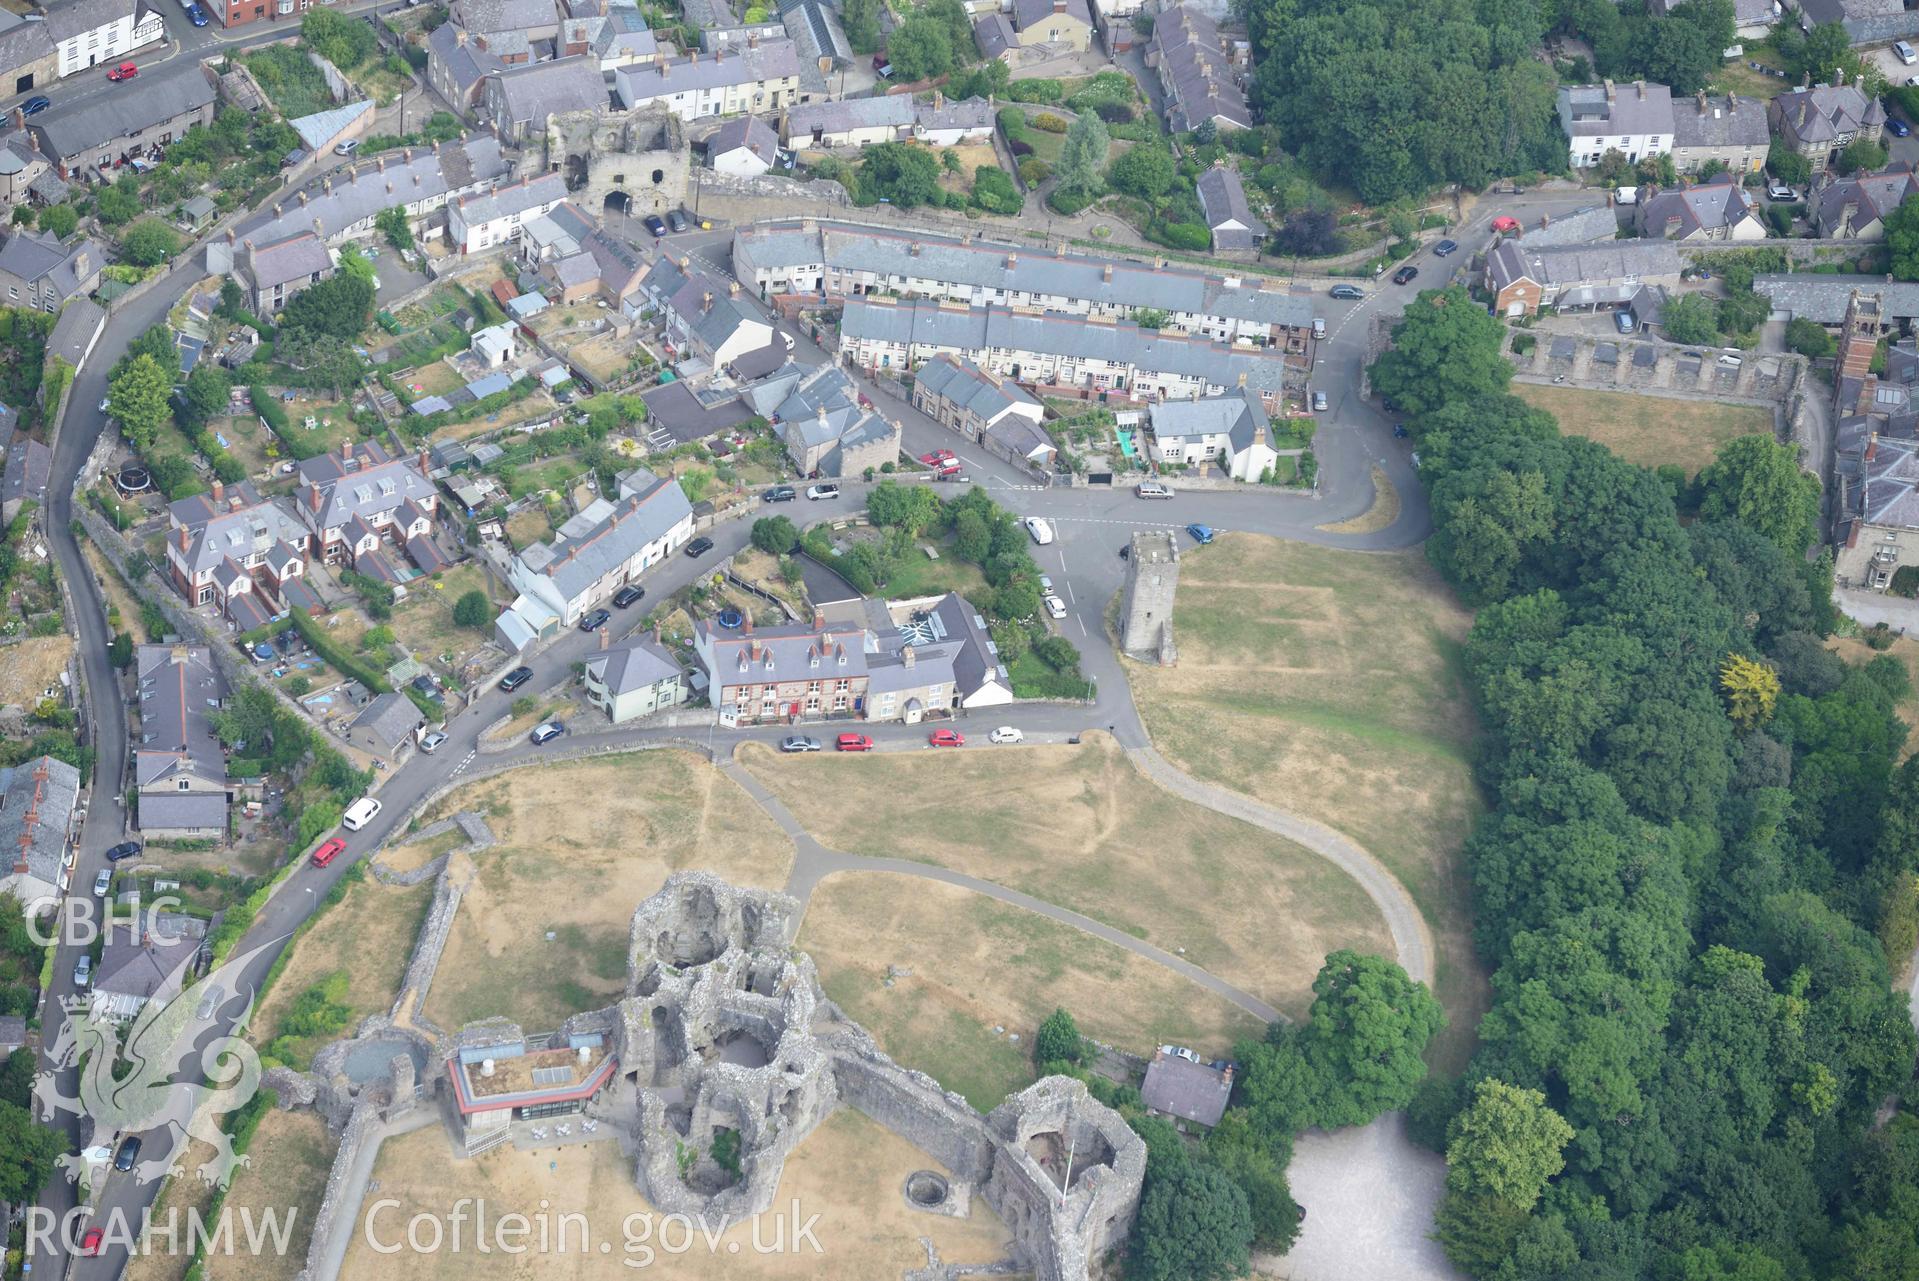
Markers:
point(1055, 607)
point(1040, 528)
point(1006, 734)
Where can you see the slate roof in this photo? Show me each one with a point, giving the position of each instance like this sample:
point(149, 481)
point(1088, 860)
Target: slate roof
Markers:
point(319, 130)
point(138, 966)
point(37, 255)
point(1022, 437)
point(994, 34)
point(1190, 54)
point(65, 21)
point(540, 89)
point(1730, 121)
point(1028, 12)
point(1875, 194)
point(166, 94)
point(467, 64)
point(969, 113)
point(1824, 113)
point(29, 466)
point(786, 653)
point(1709, 206)
point(926, 324)
point(283, 262)
point(894, 111)
point(513, 198)
point(368, 484)
point(36, 809)
point(390, 717)
point(1637, 107)
point(1239, 417)
point(506, 15)
point(708, 309)
point(965, 384)
point(180, 688)
point(816, 29)
point(1224, 201)
point(1580, 227)
point(648, 508)
point(216, 532)
point(1823, 298)
point(1015, 269)
point(1191, 1091)
point(633, 665)
point(770, 60)
point(357, 193)
point(1568, 266)
point(74, 332)
point(748, 133)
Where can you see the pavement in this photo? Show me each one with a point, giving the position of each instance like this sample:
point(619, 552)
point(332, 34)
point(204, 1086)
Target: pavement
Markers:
point(1092, 523)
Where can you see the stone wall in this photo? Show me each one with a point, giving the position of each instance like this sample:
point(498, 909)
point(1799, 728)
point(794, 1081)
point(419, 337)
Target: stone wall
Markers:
point(1757, 379)
point(912, 1105)
point(431, 943)
point(478, 837)
point(353, 1138)
point(337, 85)
point(1152, 578)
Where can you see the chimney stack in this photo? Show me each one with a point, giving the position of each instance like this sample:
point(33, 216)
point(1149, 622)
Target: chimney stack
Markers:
point(185, 538)
point(606, 637)
point(1612, 95)
point(219, 490)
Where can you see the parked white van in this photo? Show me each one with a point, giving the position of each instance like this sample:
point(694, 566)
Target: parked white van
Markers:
point(360, 813)
point(1040, 529)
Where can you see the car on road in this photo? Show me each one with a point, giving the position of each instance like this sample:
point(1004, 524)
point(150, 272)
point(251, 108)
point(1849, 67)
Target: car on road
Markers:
point(347, 148)
point(125, 71)
point(102, 882)
point(329, 851)
point(91, 1243)
point(516, 678)
point(698, 548)
point(1055, 607)
point(129, 1153)
point(1776, 190)
point(35, 105)
point(817, 493)
point(431, 743)
point(1319, 402)
point(946, 738)
point(799, 743)
point(1352, 293)
point(939, 458)
point(786, 340)
point(594, 621)
point(124, 850)
point(1897, 127)
point(1040, 528)
point(654, 225)
point(1201, 533)
point(676, 220)
point(1445, 248)
point(1152, 489)
point(780, 494)
point(210, 1002)
point(628, 595)
point(1624, 320)
point(1045, 584)
point(1006, 734)
point(546, 733)
point(360, 813)
point(853, 743)
point(196, 15)
point(105, 401)
point(83, 971)
point(1405, 275)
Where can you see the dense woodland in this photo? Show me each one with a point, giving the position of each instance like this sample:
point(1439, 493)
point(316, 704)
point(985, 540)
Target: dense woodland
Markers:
point(1698, 857)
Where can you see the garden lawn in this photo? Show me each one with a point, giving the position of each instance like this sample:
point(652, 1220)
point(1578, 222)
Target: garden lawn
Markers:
point(1649, 430)
point(423, 622)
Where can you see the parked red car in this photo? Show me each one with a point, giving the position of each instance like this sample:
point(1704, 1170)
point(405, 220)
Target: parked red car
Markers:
point(328, 852)
point(938, 458)
point(90, 1243)
point(125, 71)
point(854, 743)
point(947, 738)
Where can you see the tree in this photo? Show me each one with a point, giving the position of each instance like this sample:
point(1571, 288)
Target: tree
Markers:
point(120, 650)
point(906, 175)
point(149, 242)
point(208, 390)
point(920, 48)
point(356, 264)
point(27, 1151)
point(1145, 171)
point(1751, 689)
point(392, 223)
point(16, 1079)
point(233, 299)
point(1446, 348)
point(972, 539)
point(1788, 165)
point(1691, 318)
point(1082, 155)
point(327, 361)
point(472, 609)
point(1808, 337)
point(1193, 1225)
point(338, 306)
point(775, 535)
point(892, 505)
point(1902, 239)
point(137, 398)
point(861, 19)
point(117, 205)
point(1818, 53)
point(1505, 1145)
point(1757, 481)
point(1308, 233)
point(1058, 1040)
point(1368, 1027)
point(59, 220)
point(1862, 153)
point(345, 42)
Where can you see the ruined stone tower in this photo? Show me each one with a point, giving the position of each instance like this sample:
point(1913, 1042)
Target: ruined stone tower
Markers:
point(1152, 577)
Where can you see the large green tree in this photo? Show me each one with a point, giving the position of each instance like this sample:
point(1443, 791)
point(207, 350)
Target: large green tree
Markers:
point(149, 242)
point(137, 399)
point(1691, 318)
point(1505, 1145)
point(339, 307)
point(920, 48)
point(898, 172)
point(1193, 1225)
point(27, 1151)
point(1082, 156)
point(1758, 482)
point(1445, 349)
point(1145, 171)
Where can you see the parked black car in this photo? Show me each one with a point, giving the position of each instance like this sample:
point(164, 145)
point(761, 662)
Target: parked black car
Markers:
point(780, 494)
point(129, 1153)
point(124, 850)
point(516, 678)
point(699, 547)
point(628, 595)
point(1445, 247)
point(594, 621)
point(1405, 274)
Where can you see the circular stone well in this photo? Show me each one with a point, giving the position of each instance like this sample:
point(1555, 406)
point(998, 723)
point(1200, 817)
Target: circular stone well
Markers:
point(926, 1190)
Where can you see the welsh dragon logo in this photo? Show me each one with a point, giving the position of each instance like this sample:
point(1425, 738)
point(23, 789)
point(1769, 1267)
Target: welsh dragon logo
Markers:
point(166, 1076)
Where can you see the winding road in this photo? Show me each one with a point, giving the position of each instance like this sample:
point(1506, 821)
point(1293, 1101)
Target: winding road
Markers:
point(1092, 524)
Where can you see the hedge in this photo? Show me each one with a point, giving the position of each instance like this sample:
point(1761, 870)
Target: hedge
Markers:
point(346, 664)
point(268, 408)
